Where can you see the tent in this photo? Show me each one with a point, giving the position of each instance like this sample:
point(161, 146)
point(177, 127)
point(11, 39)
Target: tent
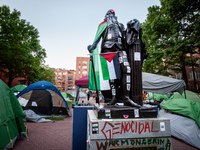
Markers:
point(160, 84)
point(11, 118)
point(151, 83)
point(82, 82)
point(64, 94)
point(18, 88)
point(189, 106)
point(44, 98)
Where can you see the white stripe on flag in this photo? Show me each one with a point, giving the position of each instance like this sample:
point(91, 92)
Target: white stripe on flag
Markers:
point(111, 70)
point(104, 84)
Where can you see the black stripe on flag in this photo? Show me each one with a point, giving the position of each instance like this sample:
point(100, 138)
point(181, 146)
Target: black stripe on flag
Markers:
point(117, 66)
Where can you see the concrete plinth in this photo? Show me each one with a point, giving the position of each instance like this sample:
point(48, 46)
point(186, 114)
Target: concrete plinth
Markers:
point(141, 133)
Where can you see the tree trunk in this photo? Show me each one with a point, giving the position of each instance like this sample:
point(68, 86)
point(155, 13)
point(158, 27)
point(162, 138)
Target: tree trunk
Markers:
point(10, 79)
point(183, 70)
point(194, 78)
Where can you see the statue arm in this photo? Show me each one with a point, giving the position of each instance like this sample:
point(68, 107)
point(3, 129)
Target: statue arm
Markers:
point(93, 46)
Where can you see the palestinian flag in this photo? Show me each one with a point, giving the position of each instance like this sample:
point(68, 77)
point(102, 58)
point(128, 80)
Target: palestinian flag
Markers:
point(110, 66)
point(101, 84)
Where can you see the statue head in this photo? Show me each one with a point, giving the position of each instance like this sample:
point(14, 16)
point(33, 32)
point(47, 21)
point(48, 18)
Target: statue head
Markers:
point(110, 14)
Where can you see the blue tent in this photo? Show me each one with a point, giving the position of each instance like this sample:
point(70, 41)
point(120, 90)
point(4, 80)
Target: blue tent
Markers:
point(44, 98)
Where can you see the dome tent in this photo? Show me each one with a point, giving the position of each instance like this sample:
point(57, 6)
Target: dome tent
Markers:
point(44, 98)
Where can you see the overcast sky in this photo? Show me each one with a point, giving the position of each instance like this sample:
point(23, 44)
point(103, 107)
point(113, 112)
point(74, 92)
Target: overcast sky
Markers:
point(67, 27)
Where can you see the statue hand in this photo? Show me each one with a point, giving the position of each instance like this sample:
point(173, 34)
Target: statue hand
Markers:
point(90, 48)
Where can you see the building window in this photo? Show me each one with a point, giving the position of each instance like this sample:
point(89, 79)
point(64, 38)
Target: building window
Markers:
point(55, 78)
point(70, 80)
point(79, 61)
point(69, 88)
point(59, 78)
point(63, 83)
point(84, 67)
point(197, 74)
point(63, 88)
point(63, 78)
point(59, 73)
point(84, 62)
point(59, 83)
point(191, 75)
point(55, 73)
point(84, 72)
point(79, 67)
point(198, 86)
point(59, 88)
point(178, 76)
point(64, 73)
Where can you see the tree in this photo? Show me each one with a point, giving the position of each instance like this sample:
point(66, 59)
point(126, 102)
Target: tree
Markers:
point(20, 51)
point(171, 32)
point(47, 74)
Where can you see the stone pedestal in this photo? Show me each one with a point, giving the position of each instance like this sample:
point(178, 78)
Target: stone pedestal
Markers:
point(134, 133)
point(104, 111)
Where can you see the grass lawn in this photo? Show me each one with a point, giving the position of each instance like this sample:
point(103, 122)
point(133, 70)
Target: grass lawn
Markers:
point(55, 118)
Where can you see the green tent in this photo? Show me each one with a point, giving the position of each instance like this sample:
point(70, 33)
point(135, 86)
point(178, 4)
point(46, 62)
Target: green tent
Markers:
point(18, 88)
point(64, 94)
point(157, 97)
point(189, 106)
point(11, 118)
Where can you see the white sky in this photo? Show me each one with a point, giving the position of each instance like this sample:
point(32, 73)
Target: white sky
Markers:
point(67, 27)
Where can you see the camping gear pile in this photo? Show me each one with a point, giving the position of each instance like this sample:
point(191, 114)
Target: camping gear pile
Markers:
point(11, 118)
point(43, 98)
point(183, 112)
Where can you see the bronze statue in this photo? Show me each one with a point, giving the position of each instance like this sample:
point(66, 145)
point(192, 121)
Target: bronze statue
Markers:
point(115, 39)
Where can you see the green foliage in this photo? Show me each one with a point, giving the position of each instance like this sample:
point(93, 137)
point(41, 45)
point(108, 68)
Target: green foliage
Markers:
point(20, 52)
point(170, 32)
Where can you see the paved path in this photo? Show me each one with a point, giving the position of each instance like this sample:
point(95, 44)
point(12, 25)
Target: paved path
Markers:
point(58, 136)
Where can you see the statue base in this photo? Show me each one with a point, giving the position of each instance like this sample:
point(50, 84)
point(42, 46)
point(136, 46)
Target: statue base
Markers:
point(105, 111)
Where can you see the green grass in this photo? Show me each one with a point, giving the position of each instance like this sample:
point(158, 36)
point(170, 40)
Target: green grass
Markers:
point(55, 118)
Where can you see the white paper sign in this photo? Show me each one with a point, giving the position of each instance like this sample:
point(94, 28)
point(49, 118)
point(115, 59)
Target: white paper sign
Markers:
point(34, 104)
point(136, 113)
point(137, 56)
point(162, 126)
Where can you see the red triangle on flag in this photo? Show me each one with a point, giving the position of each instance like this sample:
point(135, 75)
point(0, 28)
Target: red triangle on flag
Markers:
point(108, 56)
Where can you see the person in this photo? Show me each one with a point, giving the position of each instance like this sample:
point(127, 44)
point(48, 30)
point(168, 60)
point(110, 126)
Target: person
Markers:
point(113, 40)
point(88, 95)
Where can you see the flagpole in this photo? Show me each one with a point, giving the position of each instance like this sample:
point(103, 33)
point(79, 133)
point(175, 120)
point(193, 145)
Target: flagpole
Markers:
point(97, 93)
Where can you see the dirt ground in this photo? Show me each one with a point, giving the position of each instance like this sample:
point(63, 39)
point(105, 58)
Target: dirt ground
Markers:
point(58, 136)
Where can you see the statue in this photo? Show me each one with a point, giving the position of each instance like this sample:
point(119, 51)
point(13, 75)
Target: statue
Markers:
point(115, 40)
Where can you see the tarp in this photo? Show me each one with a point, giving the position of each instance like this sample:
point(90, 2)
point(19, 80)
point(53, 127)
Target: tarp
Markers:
point(160, 84)
point(33, 117)
point(11, 118)
point(183, 128)
point(187, 107)
point(151, 83)
point(82, 82)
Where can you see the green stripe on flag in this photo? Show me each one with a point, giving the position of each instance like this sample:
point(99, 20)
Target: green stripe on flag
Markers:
point(104, 67)
point(96, 58)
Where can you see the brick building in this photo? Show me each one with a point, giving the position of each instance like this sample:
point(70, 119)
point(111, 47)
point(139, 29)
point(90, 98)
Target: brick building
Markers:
point(82, 67)
point(65, 79)
point(192, 84)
